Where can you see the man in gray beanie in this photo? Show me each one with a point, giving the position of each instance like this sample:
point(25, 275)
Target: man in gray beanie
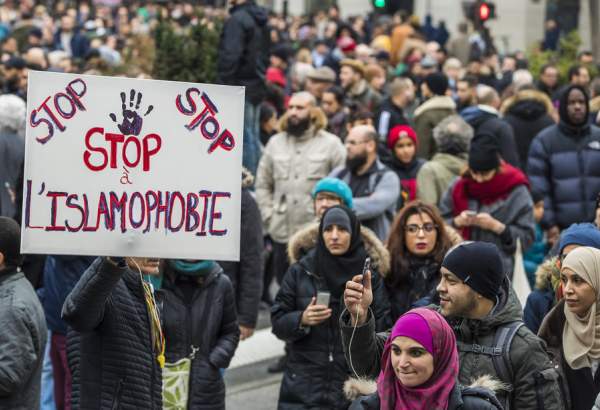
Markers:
point(479, 303)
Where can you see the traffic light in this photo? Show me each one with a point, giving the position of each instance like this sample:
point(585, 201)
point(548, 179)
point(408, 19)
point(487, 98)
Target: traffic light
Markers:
point(486, 10)
point(479, 11)
point(392, 6)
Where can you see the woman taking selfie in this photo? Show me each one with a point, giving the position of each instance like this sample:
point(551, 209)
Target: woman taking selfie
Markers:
point(572, 328)
point(419, 370)
point(306, 312)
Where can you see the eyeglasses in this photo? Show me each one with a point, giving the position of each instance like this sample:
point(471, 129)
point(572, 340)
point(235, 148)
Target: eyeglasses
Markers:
point(413, 229)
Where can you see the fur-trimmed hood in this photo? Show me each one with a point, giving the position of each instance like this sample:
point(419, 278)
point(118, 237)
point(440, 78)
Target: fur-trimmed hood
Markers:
point(527, 95)
point(306, 238)
point(318, 120)
point(354, 388)
point(247, 178)
point(595, 104)
point(439, 102)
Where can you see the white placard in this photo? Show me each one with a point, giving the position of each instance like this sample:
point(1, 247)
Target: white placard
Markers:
point(126, 167)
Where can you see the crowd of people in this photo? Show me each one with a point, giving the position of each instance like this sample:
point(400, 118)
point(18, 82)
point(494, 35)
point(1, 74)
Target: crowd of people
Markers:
point(394, 174)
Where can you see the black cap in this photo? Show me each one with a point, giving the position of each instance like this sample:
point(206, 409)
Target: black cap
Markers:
point(483, 153)
point(479, 265)
point(437, 83)
point(15, 62)
point(36, 32)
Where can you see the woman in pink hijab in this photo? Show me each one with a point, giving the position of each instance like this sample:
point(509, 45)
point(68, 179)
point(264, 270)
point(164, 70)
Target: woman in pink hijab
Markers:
point(420, 369)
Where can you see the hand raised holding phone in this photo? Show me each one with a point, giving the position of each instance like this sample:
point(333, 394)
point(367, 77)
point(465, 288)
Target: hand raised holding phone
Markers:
point(358, 295)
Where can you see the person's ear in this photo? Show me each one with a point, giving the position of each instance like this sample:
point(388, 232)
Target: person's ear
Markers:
point(1, 259)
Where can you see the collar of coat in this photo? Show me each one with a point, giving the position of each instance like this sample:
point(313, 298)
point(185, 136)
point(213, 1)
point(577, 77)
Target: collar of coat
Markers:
point(525, 95)
point(306, 239)
point(440, 102)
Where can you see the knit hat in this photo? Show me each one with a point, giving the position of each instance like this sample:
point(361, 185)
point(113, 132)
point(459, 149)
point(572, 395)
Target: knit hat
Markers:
point(437, 83)
point(336, 187)
point(337, 216)
point(356, 65)
point(10, 242)
point(585, 234)
point(400, 130)
point(483, 153)
point(479, 265)
point(346, 44)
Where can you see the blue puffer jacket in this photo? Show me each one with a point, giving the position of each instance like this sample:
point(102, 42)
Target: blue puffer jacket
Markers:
point(564, 165)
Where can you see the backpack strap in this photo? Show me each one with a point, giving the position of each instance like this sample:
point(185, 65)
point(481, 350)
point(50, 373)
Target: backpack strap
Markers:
point(502, 364)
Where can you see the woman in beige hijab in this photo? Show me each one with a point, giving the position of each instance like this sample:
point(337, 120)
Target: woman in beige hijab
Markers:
point(572, 328)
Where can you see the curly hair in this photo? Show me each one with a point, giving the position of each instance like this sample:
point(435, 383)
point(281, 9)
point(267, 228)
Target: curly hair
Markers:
point(396, 242)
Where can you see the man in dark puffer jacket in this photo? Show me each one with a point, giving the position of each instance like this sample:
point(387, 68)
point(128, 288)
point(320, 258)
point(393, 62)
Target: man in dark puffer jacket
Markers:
point(117, 367)
point(564, 164)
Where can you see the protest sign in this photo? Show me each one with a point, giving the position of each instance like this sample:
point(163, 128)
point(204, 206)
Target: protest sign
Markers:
point(126, 167)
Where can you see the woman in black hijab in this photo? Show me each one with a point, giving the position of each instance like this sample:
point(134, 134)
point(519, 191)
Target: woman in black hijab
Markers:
point(316, 368)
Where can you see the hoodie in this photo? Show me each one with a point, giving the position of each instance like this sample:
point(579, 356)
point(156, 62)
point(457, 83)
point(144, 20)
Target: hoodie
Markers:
point(486, 119)
point(564, 165)
point(528, 112)
point(243, 50)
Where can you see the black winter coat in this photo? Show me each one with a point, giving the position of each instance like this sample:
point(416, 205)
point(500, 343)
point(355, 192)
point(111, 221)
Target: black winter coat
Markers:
point(246, 276)
point(461, 398)
point(117, 367)
point(424, 276)
point(316, 368)
point(243, 50)
point(388, 116)
point(527, 118)
point(564, 164)
point(200, 314)
point(483, 121)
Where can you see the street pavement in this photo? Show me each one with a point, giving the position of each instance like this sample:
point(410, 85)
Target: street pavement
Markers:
point(249, 386)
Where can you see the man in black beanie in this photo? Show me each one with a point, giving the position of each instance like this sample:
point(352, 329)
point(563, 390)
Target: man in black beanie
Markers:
point(23, 334)
point(485, 119)
point(431, 112)
point(483, 154)
point(479, 303)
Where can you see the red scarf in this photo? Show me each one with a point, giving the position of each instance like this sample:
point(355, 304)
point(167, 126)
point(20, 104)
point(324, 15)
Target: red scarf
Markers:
point(497, 188)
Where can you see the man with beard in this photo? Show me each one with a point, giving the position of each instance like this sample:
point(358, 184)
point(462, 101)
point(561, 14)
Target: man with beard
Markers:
point(477, 300)
point(375, 187)
point(15, 77)
point(292, 162)
point(466, 95)
point(358, 90)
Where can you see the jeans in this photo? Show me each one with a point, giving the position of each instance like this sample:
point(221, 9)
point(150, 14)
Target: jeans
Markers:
point(47, 395)
point(251, 146)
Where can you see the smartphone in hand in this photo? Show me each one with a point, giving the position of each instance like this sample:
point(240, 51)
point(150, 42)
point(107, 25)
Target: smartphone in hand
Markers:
point(366, 267)
point(323, 298)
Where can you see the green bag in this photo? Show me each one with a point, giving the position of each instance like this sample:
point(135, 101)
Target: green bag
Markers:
point(176, 381)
